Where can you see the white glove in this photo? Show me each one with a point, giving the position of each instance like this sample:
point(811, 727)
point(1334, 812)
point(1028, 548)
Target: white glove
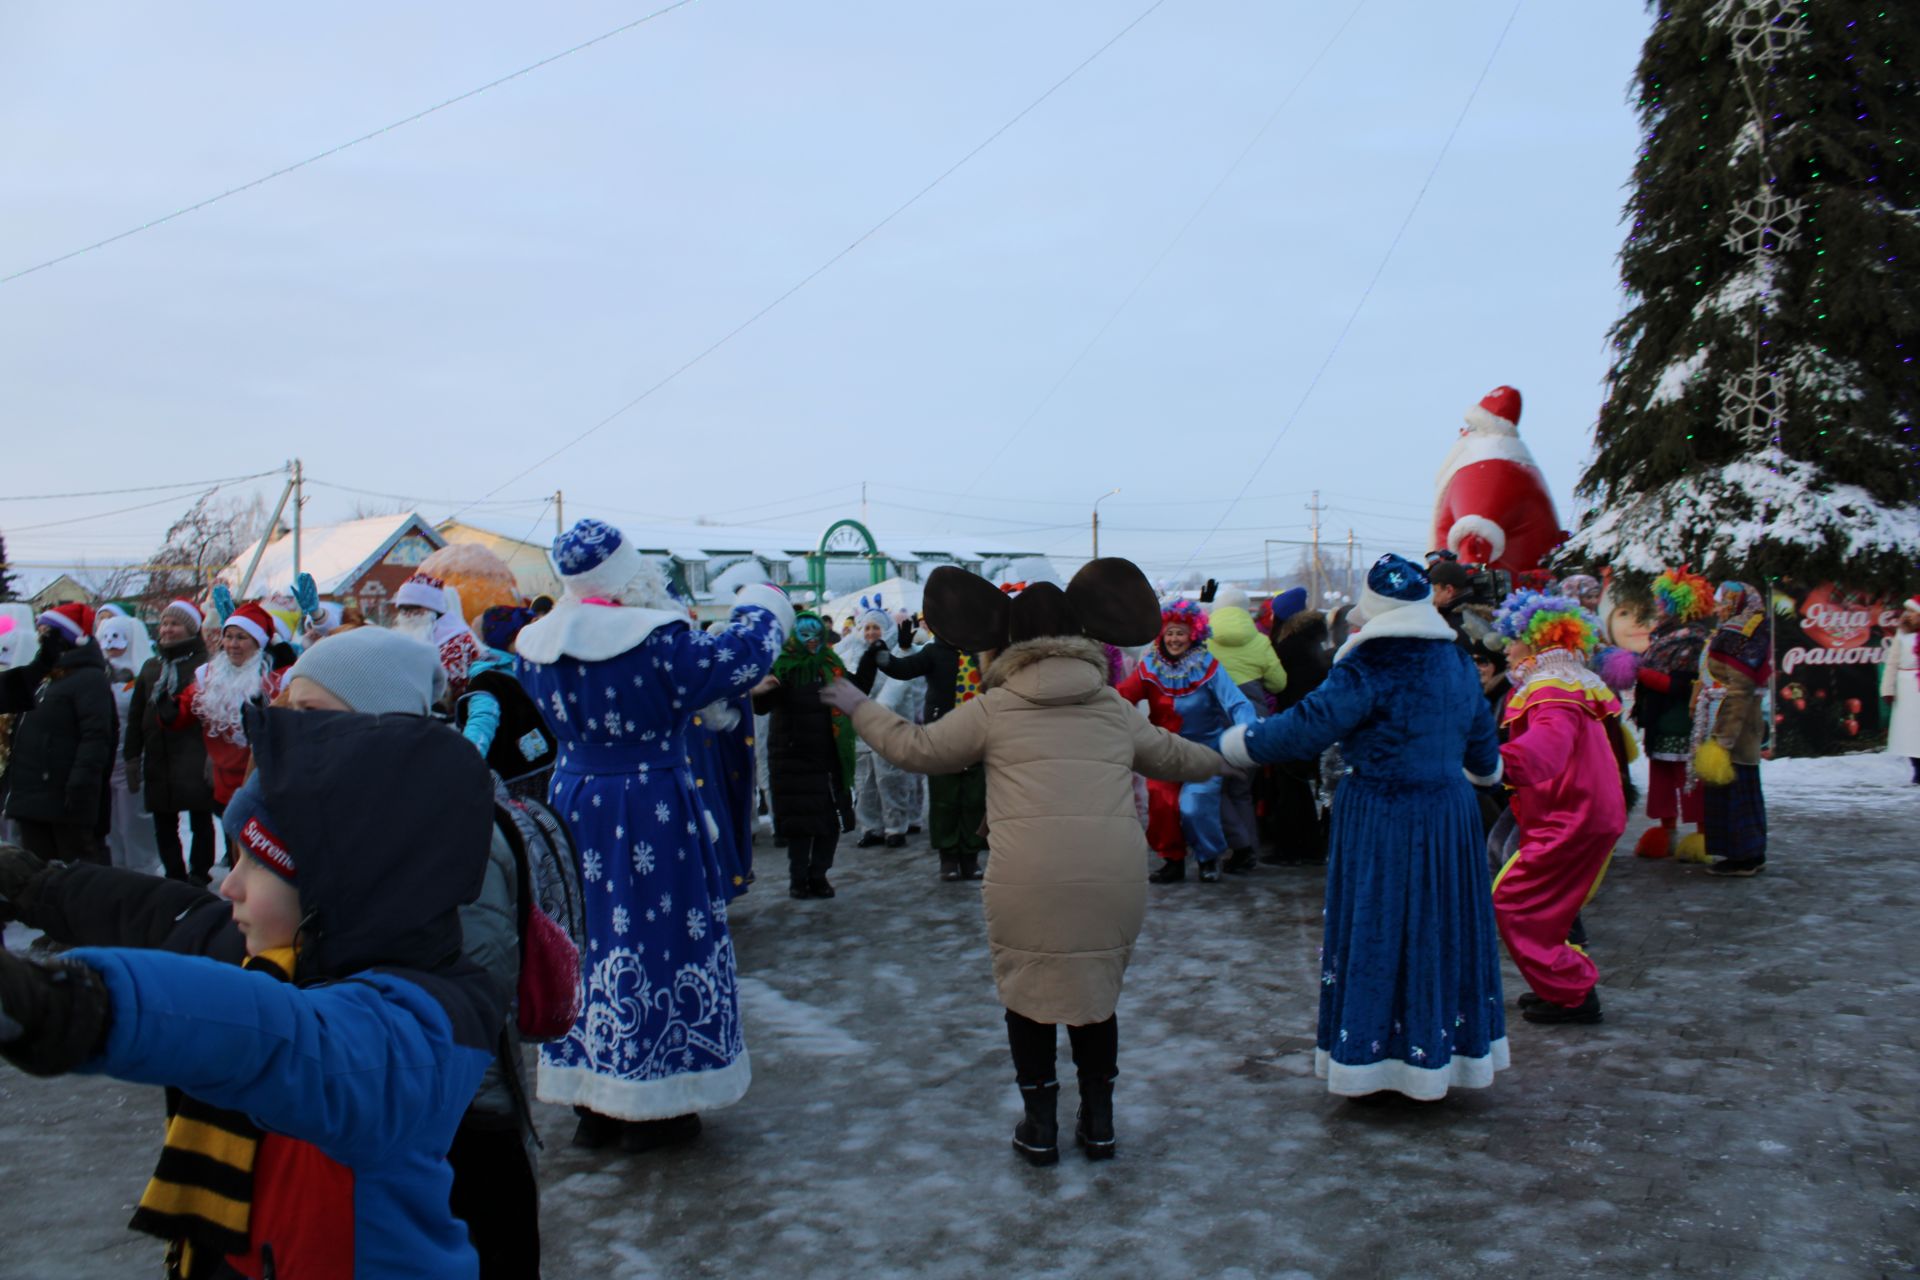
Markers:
point(720, 716)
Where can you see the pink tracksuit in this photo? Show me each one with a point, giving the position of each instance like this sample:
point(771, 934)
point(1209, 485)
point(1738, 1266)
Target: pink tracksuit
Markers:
point(1559, 760)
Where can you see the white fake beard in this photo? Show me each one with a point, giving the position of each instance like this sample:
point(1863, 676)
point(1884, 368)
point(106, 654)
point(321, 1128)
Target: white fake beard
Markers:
point(224, 693)
point(647, 589)
point(416, 626)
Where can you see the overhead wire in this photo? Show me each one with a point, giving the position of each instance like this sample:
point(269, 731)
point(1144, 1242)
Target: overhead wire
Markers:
point(824, 267)
point(99, 515)
point(1367, 293)
point(145, 488)
point(336, 150)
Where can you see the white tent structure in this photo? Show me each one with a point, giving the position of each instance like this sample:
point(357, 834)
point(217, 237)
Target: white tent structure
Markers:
point(891, 595)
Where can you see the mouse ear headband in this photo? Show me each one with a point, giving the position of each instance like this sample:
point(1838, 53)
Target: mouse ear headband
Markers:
point(1108, 600)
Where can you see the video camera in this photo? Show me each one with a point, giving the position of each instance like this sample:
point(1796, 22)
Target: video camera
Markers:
point(1483, 585)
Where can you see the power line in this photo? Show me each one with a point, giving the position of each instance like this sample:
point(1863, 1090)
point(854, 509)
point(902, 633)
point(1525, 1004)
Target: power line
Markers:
point(420, 501)
point(336, 150)
point(820, 270)
point(1205, 202)
point(99, 515)
point(148, 488)
point(1366, 293)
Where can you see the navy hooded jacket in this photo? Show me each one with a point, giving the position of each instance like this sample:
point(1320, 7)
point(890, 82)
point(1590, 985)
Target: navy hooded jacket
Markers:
point(360, 1069)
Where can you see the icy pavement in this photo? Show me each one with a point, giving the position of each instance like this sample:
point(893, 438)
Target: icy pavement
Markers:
point(1749, 1107)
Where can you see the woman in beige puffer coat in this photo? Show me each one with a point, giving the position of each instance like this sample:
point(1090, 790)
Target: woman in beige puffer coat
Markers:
point(1065, 886)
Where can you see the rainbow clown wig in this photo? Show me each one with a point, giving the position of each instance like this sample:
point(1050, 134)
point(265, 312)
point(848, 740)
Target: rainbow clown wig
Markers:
point(1541, 622)
point(1187, 614)
point(1682, 595)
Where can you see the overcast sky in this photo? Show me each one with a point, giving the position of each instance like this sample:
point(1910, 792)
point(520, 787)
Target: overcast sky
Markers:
point(433, 311)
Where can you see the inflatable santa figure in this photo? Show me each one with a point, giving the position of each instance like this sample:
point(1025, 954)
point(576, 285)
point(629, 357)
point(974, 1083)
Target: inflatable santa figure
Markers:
point(1491, 505)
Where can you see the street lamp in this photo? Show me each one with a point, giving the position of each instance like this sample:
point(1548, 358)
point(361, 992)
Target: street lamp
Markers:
point(1096, 520)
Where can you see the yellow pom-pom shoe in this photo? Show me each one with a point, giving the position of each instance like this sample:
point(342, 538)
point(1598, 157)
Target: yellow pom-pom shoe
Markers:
point(1692, 848)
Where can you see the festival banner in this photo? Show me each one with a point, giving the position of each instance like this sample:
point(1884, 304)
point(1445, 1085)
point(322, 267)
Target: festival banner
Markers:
point(1826, 655)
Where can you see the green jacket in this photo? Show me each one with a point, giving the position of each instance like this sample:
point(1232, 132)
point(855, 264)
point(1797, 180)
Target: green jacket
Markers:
point(1244, 653)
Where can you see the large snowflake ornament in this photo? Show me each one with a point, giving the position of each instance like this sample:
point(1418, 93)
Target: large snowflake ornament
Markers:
point(1762, 30)
point(1767, 223)
point(1751, 405)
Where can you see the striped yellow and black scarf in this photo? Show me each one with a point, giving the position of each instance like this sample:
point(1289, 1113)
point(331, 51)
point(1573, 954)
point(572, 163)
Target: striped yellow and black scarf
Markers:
point(201, 1194)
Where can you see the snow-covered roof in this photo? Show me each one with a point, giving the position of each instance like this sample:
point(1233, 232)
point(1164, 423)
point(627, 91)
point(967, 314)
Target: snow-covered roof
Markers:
point(337, 555)
point(707, 541)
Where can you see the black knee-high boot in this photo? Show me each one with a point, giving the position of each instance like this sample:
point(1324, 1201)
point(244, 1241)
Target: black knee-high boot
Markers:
point(1096, 1057)
point(1037, 1136)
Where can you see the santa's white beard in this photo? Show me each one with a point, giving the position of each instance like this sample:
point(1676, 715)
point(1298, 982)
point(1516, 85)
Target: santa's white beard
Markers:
point(224, 692)
point(416, 626)
point(647, 589)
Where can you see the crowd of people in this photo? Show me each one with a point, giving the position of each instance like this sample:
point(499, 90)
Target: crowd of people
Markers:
point(1459, 764)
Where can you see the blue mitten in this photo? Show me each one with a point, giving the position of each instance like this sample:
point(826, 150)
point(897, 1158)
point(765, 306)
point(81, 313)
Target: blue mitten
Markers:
point(306, 594)
point(223, 603)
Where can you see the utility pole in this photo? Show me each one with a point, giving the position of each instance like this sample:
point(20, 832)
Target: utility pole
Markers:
point(299, 500)
point(863, 505)
point(559, 514)
point(1096, 520)
point(1350, 595)
point(1315, 508)
point(266, 535)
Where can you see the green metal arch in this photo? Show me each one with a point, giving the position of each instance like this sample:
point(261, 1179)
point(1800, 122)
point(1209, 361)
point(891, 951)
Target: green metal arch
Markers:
point(817, 560)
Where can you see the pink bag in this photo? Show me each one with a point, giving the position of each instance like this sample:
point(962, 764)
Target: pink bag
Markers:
point(549, 989)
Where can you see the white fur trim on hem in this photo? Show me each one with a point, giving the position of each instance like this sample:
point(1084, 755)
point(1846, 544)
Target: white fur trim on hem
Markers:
point(1425, 1083)
point(1233, 745)
point(1499, 772)
point(687, 1094)
point(589, 632)
point(1409, 622)
point(1471, 526)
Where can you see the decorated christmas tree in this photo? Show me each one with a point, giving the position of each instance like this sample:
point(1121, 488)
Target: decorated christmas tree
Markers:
point(1760, 417)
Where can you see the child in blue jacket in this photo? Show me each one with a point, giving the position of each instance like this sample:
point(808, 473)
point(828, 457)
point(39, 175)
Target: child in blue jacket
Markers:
point(339, 1060)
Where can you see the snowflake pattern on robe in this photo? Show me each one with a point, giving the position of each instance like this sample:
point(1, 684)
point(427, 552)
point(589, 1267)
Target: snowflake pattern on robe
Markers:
point(659, 1032)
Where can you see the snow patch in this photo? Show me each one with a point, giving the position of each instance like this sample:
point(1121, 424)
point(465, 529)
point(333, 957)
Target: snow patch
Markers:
point(1673, 380)
point(794, 1024)
point(1724, 512)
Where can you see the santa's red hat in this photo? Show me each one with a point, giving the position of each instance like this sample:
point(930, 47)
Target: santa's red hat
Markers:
point(1498, 412)
point(253, 620)
point(74, 620)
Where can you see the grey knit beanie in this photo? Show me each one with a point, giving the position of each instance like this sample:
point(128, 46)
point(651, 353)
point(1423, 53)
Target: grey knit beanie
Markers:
point(375, 671)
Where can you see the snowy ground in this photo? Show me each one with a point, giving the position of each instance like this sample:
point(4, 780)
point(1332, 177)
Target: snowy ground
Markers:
point(1748, 1108)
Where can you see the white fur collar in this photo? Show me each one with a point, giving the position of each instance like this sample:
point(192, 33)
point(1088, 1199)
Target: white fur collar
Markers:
point(589, 632)
point(1409, 622)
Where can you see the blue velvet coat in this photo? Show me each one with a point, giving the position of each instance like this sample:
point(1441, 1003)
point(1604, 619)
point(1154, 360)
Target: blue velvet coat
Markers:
point(1410, 996)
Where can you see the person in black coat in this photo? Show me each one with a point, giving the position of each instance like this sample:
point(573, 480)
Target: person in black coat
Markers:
point(171, 765)
point(1304, 645)
point(63, 744)
point(956, 802)
point(809, 772)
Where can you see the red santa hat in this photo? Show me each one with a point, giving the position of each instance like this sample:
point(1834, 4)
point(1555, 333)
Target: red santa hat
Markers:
point(1498, 412)
point(253, 620)
point(74, 621)
point(423, 591)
